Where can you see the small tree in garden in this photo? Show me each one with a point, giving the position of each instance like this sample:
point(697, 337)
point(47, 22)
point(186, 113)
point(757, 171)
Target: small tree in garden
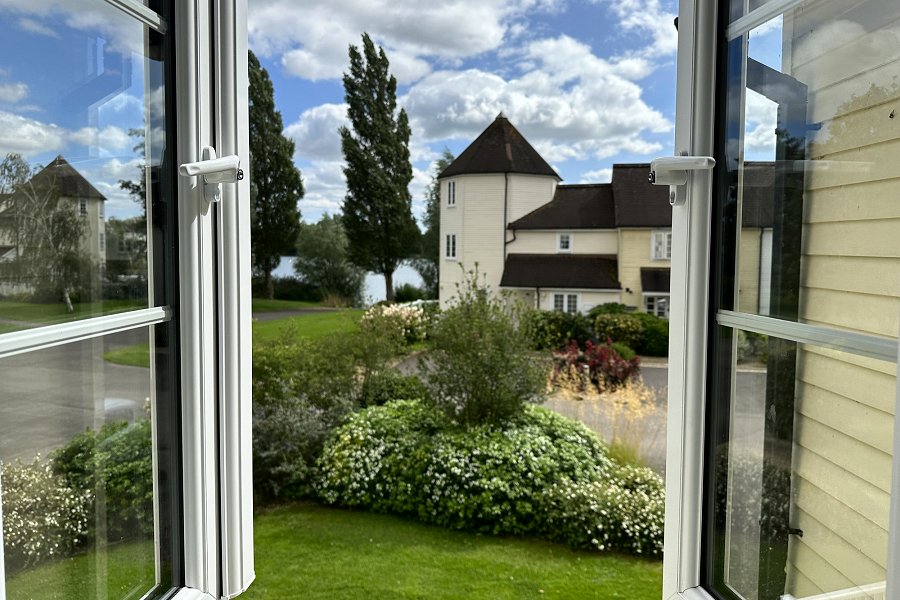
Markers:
point(480, 368)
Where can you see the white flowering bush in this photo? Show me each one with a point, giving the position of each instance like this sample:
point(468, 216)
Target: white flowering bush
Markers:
point(406, 321)
point(527, 476)
point(42, 516)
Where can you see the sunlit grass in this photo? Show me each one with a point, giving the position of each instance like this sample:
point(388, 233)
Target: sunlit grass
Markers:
point(264, 305)
point(47, 314)
point(121, 571)
point(311, 551)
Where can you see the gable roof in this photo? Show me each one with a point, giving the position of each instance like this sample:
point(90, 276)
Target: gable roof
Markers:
point(572, 271)
point(638, 202)
point(67, 180)
point(573, 207)
point(499, 149)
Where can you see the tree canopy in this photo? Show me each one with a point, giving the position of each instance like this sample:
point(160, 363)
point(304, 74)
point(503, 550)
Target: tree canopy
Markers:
point(322, 261)
point(275, 183)
point(427, 264)
point(378, 207)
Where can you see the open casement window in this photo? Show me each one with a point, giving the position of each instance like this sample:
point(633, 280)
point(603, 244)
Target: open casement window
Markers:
point(125, 403)
point(783, 462)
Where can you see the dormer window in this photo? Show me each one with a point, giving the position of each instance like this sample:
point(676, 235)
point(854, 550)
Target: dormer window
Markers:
point(564, 242)
point(451, 193)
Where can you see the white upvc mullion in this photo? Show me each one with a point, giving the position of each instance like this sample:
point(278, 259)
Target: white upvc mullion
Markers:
point(892, 567)
point(763, 14)
point(40, 338)
point(140, 12)
point(689, 298)
point(872, 346)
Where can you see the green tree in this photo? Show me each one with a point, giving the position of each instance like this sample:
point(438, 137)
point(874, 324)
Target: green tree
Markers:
point(427, 264)
point(322, 260)
point(378, 208)
point(48, 232)
point(275, 183)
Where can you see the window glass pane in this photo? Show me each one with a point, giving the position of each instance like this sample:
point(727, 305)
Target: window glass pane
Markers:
point(558, 300)
point(82, 141)
point(813, 166)
point(78, 464)
point(802, 472)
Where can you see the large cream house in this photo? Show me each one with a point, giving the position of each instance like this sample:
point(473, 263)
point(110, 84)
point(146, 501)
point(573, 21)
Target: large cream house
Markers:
point(567, 247)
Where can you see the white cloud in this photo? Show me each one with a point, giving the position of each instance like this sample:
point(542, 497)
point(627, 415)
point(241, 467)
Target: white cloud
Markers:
point(28, 136)
point(107, 140)
point(315, 133)
point(760, 120)
point(603, 175)
point(33, 26)
point(650, 18)
point(13, 92)
point(571, 105)
point(313, 36)
point(325, 188)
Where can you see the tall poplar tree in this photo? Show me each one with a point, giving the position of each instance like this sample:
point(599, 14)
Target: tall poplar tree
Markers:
point(275, 184)
point(428, 262)
point(377, 213)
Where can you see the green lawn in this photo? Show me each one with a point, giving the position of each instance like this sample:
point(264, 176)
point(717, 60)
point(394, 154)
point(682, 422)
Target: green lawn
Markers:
point(310, 325)
point(312, 552)
point(127, 571)
point(44, 314)
point(263, 305)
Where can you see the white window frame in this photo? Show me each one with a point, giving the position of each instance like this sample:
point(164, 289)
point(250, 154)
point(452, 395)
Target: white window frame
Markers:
point(655, 297)
point(450, 248)
point(688, 325)
point(215, 336)
point(569, 238)
point(567, 305)
point(451, 193)
point(666, 243)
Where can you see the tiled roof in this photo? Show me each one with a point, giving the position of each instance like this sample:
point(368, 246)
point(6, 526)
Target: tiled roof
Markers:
point(638, 202)
point(499, 149)
point(655, 279)
point(69, 182)
point(573, 207)
point(566, 271)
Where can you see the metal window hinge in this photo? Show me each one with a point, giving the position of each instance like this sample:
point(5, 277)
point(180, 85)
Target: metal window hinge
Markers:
point(673, 171)
point(215, 171)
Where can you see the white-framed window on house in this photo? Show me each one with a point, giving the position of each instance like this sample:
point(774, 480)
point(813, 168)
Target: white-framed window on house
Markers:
point(451, 193)
point(661, 245)
point(564, 242)
point(790, 408)
point(657, 305)
point(450, 247)
point(565, 303)
point(175, 425)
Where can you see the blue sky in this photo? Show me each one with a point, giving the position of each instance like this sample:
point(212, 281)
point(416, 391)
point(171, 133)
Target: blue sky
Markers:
point(588, 82)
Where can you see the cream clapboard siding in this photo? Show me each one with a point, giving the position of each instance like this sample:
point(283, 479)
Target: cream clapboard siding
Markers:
point(583, 242)
point(528, 193)
point(850, 278)
point(634, 253)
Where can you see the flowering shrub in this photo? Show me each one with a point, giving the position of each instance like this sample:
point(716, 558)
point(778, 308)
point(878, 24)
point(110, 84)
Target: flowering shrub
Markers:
point(42, 516)
point(596, 368)
point(408, 322)
point(624, 513)
point(400, 458)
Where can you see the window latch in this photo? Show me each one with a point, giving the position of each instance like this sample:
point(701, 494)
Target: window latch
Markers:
point(673, 171)
point(215, 172)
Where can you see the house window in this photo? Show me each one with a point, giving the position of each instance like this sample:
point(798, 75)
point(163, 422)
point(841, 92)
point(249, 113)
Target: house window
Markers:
point(661, 245)
point(565, 303)
point(450, 251)
point(82, 207)
point(451, 193)
point(102, 242)
point(657, 305)
point(564, 242)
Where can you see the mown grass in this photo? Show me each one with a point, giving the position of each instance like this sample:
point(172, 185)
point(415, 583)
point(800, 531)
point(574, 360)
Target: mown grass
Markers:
point(311, 325)
point(264, 305)
point(127, 571)
point(46, 314)
point(313, 552)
